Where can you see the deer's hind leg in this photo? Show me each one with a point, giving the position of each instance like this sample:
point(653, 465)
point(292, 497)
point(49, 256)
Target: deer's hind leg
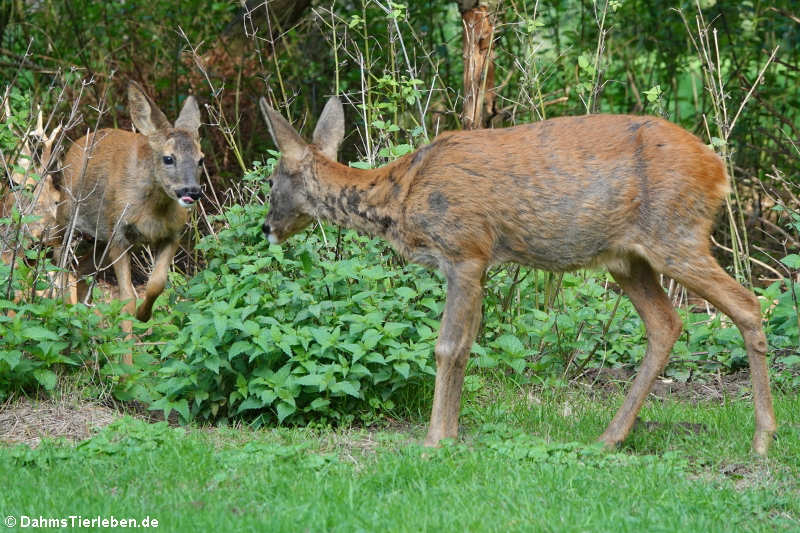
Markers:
point(663, 327)
point(706, 278)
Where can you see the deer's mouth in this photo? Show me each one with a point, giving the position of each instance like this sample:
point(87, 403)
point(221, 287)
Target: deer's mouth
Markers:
point(187, 195)
point(278, 235)
point(270, 234)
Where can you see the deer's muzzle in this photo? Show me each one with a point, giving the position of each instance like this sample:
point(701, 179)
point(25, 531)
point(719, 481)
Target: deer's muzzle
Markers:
point(188, 195)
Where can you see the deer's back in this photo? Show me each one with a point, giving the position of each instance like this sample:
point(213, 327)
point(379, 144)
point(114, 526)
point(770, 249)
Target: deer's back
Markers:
point(93, 169)
point(568, 192)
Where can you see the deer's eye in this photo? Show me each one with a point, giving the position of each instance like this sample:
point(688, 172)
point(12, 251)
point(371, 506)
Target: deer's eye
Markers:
point(168, 160)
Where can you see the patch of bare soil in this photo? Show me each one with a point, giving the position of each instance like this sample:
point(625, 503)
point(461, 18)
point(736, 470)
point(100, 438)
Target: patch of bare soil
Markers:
point(746, 476)
point(715, 387)
point(28, 422)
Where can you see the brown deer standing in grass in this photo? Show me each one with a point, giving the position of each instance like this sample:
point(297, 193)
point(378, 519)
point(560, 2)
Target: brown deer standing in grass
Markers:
point(125, 188)
point(635, 194)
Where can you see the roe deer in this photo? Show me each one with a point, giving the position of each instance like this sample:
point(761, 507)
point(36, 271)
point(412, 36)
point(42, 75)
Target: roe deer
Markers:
point(32, 196)
point(127, 188)
point(32, 191)
point(636, 194)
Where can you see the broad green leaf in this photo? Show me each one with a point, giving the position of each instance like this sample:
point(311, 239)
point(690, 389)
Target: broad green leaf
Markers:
point(375, 357)
point(324, 337)
point(268, 396)
point(239, 347)
point(792, 261)
point(39, 333)
point(319, 403)
point(314, 380)
point(346, 387)
point(46, 378)
point(518, 365)
point(284, 409)
point(251, 402)
point(12, 357)
point(393, 329)
point(370, 339)
point(357, 350)
point(220, 325)
point(212, 363)
point(241, 385)
point(251, 328)
point(405, 293)
point(510, 344)
point(791, 360)
point(402, 368)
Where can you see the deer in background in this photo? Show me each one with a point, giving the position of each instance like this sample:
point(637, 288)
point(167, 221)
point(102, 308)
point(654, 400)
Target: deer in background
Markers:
point(31, 187)
point(635, 194)
point(32, 192)
point(125, 189)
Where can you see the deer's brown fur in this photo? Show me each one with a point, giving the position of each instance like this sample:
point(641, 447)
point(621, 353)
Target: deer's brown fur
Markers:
point(634, 194)
point(31, 189)
point(125, 189)
point(32, 192)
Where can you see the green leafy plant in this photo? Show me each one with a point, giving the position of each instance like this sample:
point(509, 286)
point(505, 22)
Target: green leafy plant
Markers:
point(45, 337)
point(286, 335)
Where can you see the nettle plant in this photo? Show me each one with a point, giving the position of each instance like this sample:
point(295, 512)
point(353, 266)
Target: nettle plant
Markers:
point(290, 335)
point(41, 338)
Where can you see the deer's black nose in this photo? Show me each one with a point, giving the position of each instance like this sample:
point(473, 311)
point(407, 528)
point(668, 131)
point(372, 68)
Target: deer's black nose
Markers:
point(265, 229)
point(192, 192)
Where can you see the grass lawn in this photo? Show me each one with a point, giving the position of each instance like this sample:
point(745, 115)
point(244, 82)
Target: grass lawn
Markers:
point(526, 462)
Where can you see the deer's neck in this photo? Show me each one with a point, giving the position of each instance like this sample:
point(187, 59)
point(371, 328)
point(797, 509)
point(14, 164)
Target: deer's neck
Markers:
point(366, 200)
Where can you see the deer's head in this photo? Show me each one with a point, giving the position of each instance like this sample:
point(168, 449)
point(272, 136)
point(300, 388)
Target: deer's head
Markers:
point(291, 207)
point(176, 159)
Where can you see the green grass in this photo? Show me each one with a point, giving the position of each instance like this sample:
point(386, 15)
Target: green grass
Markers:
point(526, 462)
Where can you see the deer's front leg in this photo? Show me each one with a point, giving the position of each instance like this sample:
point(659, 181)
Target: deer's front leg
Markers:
point(157, 281)
point(122, 269)
point(460, 322)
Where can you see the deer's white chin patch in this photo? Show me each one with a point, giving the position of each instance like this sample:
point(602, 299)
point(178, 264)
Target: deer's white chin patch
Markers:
point(186, 201)
point(272, 239)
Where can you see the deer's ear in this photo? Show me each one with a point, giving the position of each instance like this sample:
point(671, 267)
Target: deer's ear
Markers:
point(293, 148)
point(146, 116)
point(329, 133)
point(189, 119)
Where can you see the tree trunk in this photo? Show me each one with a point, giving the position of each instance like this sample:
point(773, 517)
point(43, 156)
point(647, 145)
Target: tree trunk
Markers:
point(478, 18)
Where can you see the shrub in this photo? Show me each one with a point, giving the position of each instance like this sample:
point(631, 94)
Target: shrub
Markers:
point(46, 337)
point(286, 335)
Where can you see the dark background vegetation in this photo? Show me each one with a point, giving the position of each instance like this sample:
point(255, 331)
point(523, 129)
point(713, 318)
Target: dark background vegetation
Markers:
point(98, 46)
